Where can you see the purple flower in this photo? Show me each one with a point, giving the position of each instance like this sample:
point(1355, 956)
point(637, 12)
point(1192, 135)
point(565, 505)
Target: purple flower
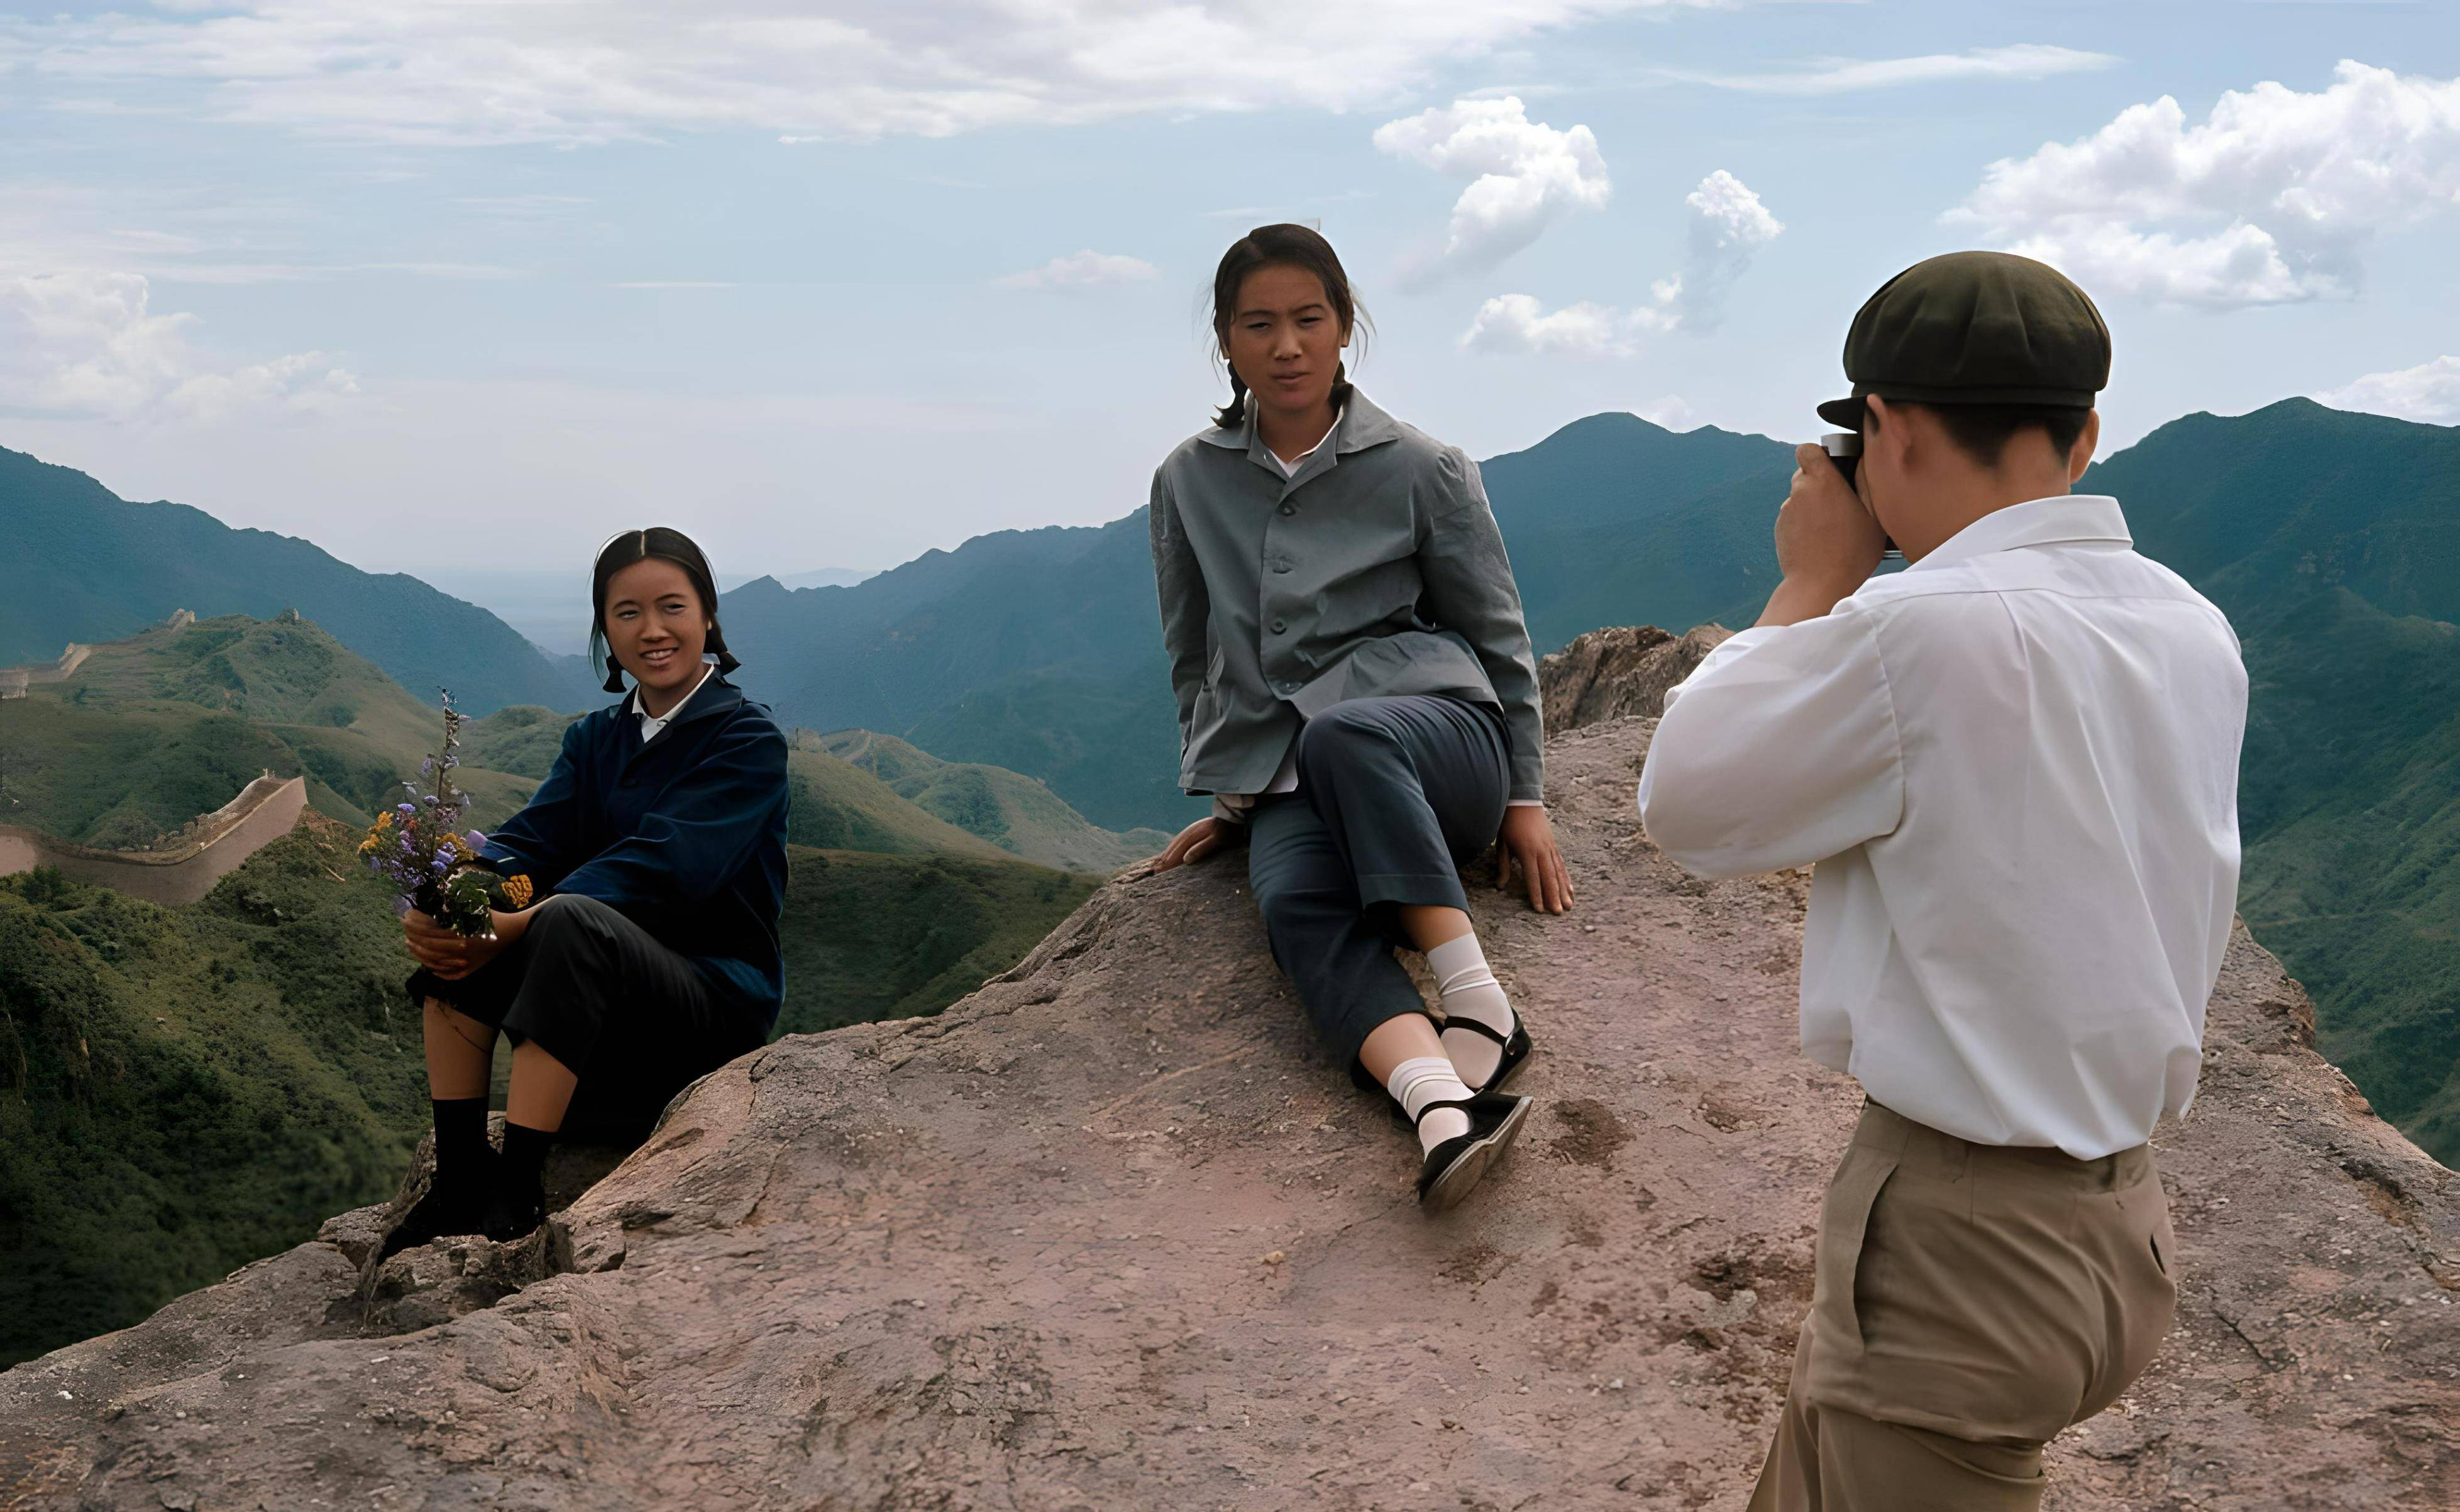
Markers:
point(478, 841)
point(406, 810)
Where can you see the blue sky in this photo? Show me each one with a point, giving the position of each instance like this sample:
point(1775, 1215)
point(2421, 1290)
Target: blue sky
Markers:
point(441, 285)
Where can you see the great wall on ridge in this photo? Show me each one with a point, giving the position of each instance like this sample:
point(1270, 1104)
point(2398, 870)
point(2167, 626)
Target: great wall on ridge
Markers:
point(186, 866)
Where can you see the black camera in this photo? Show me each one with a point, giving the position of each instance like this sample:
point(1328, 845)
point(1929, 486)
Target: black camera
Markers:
point(1844, 448)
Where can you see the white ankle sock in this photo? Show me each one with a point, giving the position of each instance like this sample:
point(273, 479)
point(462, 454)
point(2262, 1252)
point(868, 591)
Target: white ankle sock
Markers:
point(1470, 990)
point(1429, 1078)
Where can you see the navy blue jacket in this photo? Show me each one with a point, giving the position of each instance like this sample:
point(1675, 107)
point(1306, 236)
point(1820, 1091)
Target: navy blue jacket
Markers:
point(683, 834)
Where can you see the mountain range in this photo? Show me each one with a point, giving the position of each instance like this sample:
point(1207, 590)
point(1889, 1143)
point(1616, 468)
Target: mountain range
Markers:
point(96, 568)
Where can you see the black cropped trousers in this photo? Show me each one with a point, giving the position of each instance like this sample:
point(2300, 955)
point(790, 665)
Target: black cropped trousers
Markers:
point(630, 1017)
point(1394, 796)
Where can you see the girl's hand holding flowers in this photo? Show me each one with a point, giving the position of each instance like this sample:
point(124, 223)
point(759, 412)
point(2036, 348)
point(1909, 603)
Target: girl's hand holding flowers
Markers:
point(454, 908)
point(453, 955)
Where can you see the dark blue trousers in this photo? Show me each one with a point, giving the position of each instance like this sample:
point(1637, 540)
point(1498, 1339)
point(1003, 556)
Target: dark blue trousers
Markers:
point(1395, 795)
point(632, 1019)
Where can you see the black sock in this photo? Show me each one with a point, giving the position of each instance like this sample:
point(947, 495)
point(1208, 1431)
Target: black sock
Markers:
point(460, 1137)
point(524, 1154)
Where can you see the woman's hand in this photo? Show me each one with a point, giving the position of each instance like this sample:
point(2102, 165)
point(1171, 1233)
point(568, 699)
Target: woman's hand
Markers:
point(1195, 842)
point(452, 956)
point(1528, 840)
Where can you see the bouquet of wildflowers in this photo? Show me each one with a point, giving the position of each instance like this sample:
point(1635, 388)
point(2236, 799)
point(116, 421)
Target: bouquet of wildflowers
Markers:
point(419, 845)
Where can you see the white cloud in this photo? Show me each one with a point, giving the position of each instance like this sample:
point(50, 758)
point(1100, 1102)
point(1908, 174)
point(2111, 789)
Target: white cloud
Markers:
point(2271, 199)
point(1523, 176)
point(2430, 392)
point(2023, 61)
point(1672, 412)
point(88, 345)
point(1519, 323)
point(1085, 269)
point(457, 71)
point(1727, 224)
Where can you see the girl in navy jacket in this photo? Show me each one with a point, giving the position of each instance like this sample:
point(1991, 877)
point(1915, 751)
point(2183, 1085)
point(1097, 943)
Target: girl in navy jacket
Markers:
point(657, 849)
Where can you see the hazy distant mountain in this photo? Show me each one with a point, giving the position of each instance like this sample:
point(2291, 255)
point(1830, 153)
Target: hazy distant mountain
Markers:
point(816, 577)
point(1031, 649)
point(87, 566)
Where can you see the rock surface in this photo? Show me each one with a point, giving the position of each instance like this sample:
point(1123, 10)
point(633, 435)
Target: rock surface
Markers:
point(1608, 673)
point(1111, 1233)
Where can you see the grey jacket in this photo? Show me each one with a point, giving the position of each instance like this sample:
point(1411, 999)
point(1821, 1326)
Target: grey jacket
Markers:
point(1375, 570)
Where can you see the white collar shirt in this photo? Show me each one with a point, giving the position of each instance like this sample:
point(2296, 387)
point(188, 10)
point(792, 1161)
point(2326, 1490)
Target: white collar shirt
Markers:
point(651, 724)
point(2015, 764)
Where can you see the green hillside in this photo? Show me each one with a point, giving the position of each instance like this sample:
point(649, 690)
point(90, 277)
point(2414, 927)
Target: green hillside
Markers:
point(1012, 811)
point(2327, 537)
point(92, 566)
point(151, 731)
point(185, 1090)
point(870, 937)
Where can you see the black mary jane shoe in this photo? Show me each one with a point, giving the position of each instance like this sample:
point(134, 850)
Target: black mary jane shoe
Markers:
point(449, 1207)
point(1516, 1045)
point(1454, 1166)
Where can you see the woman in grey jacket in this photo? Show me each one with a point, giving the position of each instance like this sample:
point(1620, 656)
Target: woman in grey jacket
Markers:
point(1357, 693)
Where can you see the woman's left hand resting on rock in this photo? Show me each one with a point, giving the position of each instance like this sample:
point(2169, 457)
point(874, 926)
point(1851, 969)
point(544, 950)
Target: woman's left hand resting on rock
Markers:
point(1528, 841)
point(453, 956)
point(1195, 842)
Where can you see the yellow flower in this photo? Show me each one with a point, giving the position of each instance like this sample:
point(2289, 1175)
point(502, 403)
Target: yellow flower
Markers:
point(517, 892)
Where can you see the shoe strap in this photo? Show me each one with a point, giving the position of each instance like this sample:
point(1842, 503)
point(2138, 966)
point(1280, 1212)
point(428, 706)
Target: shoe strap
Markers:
point(1464, 1104)
point(1480, 1027)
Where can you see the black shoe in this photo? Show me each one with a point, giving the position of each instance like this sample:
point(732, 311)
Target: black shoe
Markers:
point(1454, 1166)
point(1516, 1045)
point(516, 1205)
point(452, 1206)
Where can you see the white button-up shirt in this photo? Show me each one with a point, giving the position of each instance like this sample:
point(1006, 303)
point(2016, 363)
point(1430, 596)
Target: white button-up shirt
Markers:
point(2016, 765)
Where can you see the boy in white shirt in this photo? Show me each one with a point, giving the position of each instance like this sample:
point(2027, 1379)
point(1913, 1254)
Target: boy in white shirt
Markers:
point(2016, 766)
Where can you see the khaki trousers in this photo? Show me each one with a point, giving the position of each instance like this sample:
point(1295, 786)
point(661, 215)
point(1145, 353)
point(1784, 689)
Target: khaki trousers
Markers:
point(1969, 1301)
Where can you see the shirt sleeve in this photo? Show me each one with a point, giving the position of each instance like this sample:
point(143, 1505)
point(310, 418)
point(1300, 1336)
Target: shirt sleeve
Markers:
point(706, 826)
point(542, 841)
point(1470, 589)
point(1780, 750)
point(1185, 606)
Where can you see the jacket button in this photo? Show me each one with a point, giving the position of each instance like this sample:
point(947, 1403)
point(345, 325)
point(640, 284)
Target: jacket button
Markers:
point(1281, 567)
point(1279, 627)
point(1289, 509)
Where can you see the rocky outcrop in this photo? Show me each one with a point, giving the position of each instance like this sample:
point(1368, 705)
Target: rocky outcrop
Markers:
point(1112, 1234)
point(1627, 670)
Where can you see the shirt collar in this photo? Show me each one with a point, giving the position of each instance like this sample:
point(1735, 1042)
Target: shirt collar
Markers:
point(1361, 424)
point(2070, 518)
point(707, 672)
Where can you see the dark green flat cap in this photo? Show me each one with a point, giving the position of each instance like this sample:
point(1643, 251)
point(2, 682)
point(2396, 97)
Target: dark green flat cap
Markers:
point(1975, 327)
